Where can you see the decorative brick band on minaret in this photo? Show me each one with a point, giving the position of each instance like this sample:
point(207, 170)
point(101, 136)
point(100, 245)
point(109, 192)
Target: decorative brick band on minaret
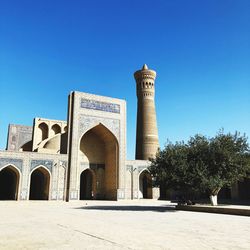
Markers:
point(147, 142)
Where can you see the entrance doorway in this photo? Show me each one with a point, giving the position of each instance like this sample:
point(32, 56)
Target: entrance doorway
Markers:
point(39, 184)
point(145, 183)
point(86, 185)
point(244, 189)
point(9, 182)
point(100, 146)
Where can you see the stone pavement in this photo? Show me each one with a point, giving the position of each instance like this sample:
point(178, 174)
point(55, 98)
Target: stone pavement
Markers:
point(143, 224)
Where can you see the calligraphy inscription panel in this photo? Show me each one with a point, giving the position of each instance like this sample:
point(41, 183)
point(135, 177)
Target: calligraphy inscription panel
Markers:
point(102, 106)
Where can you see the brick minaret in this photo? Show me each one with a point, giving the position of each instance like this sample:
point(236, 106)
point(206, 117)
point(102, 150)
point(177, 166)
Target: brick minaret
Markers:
point(147, 142)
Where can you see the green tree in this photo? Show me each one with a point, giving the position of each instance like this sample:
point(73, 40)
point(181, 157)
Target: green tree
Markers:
point(228, 162)
point(169, 167)
point(204, 165)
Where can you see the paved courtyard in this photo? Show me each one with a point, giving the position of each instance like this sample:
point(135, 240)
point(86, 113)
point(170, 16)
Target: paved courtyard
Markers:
point(117, 225)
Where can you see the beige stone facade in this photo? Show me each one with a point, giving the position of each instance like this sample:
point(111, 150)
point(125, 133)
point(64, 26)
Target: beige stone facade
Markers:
point(81, 158)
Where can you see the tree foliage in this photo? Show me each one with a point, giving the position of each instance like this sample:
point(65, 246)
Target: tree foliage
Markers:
point(202, 164)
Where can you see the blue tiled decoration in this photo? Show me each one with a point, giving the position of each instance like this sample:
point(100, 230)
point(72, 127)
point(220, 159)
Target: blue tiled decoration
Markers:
point(47, 163)
point(97, 105)
point(16, 162)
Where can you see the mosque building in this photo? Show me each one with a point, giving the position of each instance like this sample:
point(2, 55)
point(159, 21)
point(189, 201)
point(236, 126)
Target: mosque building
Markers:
point(85, 156)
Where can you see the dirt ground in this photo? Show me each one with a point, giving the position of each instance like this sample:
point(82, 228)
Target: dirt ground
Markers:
point(143, 224)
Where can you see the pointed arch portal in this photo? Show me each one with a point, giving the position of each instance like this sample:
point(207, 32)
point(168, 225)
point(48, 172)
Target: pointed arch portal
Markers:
point(39, 184)
point(99, 147)
point(9, 182)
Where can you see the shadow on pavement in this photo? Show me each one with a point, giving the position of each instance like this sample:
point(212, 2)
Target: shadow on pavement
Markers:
point(131, 208)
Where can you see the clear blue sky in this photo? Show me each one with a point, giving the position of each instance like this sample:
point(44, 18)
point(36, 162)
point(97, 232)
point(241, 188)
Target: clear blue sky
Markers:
point(200, 50)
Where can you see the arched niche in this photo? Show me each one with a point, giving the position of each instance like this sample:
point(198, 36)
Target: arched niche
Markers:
point(55, 129)
point(39, 184)
point(87, 185)
point(99, 147)
point(42, 132)
point(9, 183)
point(26, 146)
point(145, 185)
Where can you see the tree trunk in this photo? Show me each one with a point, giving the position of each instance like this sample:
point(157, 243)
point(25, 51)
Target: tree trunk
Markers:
point(213, 196)
point(213, 199)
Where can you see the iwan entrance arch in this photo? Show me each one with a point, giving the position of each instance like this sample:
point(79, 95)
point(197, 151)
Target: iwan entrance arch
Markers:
point(96, 141)
point(99, 151)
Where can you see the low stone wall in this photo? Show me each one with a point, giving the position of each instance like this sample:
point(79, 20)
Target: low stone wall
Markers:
point(218, 209)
